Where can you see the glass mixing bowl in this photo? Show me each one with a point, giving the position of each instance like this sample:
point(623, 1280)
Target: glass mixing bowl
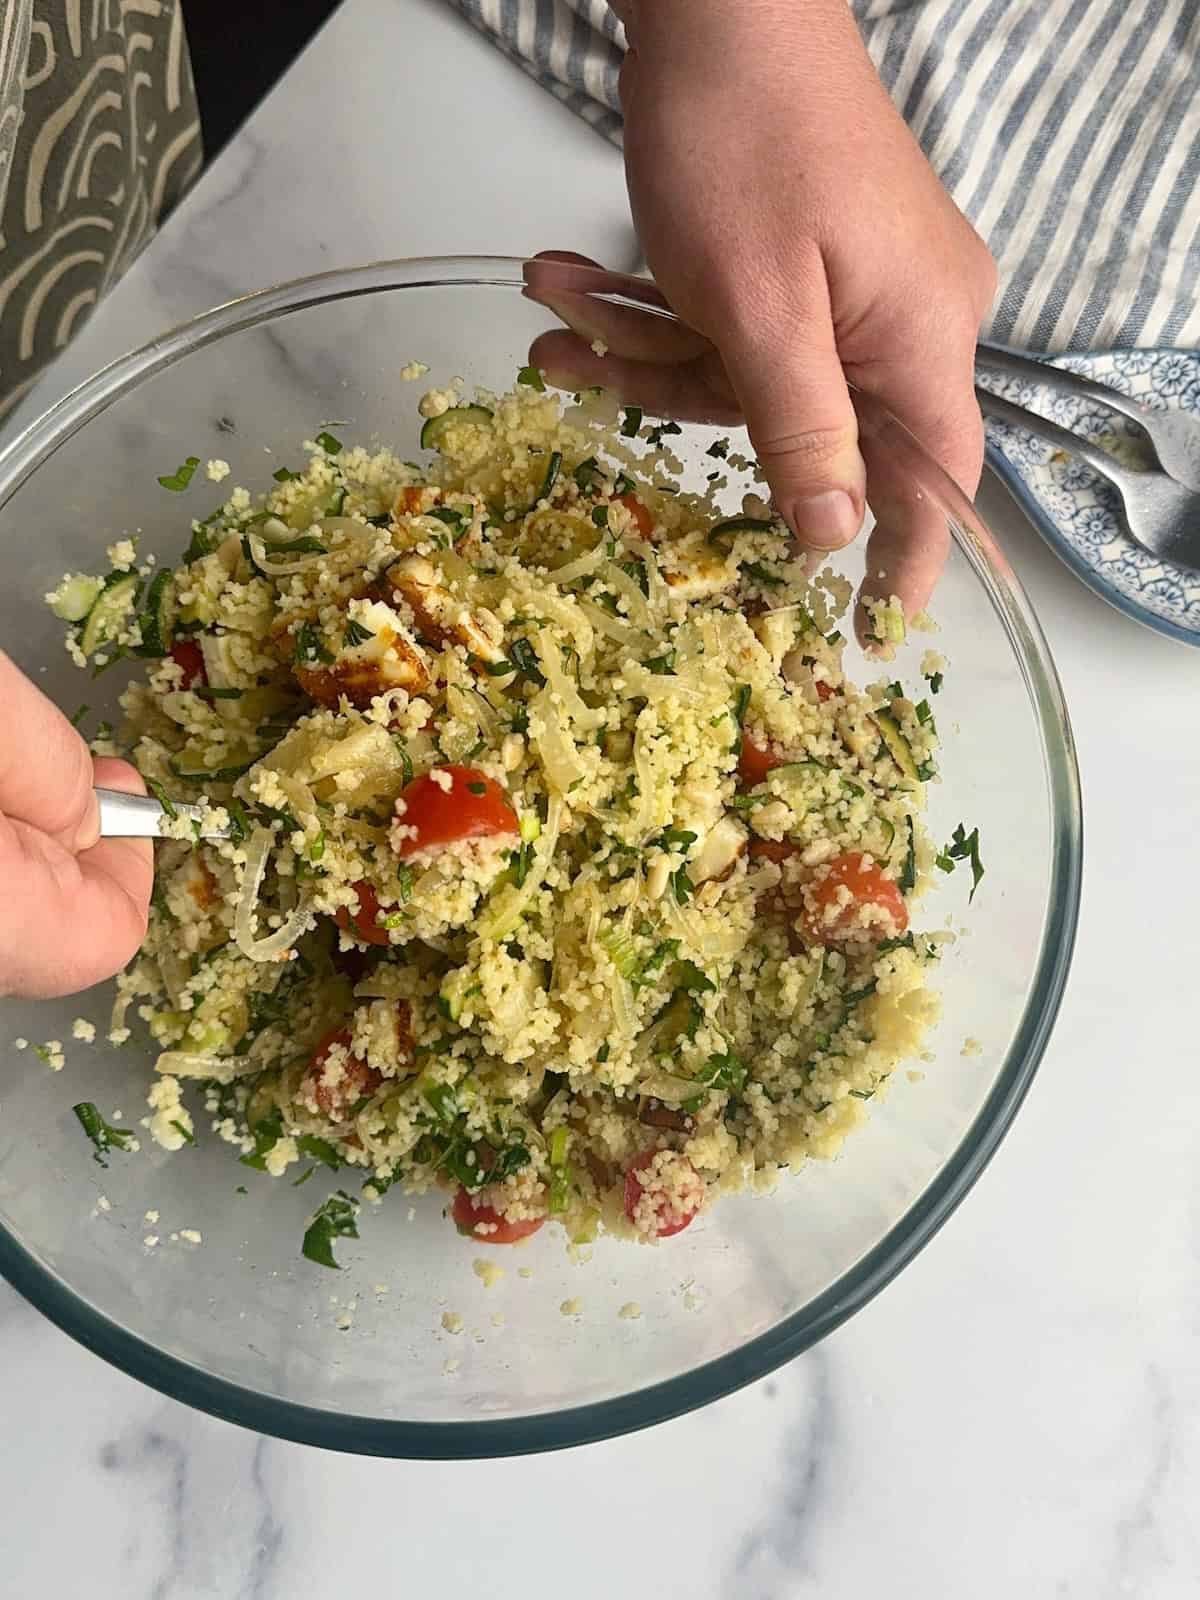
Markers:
point(241, 1325)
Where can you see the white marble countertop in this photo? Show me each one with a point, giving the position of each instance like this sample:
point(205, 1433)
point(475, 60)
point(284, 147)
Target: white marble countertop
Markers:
point(1019, 1413)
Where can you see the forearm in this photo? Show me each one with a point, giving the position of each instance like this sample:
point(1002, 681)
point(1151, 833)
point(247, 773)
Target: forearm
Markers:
point(809, 36)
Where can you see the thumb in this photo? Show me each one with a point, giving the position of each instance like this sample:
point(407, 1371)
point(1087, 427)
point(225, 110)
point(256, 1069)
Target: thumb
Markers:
point(790, 384)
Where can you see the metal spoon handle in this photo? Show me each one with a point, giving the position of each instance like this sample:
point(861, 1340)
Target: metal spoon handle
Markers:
point(140, 816)
point(1059, 380)
point(1016, 416)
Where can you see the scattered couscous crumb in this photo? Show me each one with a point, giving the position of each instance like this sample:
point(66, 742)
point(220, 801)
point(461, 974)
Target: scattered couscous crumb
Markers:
point(630, 1310)
point(81, 1028)
point(344, 1321)
point(52, 1054)
point(150, 1241)
point(497, 1319)
point(488, 1273)
point(524, 1272)
point(118, 1035)
point(413, 370)
point(20, 1044)
point(191, 1236)
point(122, 555)
point(915, 1075)
point(599, 348)
point(217, 471)
point(451, 1366)
point(693, 1301)
point(103, 1203)
point(971, 1047)
point(150, 1217)
point(572, 1308)
point(380, 1288)
point(452, 1322)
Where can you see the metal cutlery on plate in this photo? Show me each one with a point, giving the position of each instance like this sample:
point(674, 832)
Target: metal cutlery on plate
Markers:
point(1161, 502)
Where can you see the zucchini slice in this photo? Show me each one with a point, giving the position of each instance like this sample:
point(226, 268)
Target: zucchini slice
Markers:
point(898, 746)
point(722, 534)
point(189, 767)
point(112, 608)
point(157, 619)
point(436, 428)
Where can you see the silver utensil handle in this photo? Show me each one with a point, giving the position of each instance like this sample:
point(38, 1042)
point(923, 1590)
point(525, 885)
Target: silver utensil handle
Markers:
point(1017, 417)
point(131, 816)
point(1058, 380)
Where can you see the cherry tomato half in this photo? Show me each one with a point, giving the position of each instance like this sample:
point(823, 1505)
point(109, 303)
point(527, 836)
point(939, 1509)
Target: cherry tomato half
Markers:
point(755, 761)
point(642, 515)
point(470, 1213)
point(829, 918)
point(334, 1100)
point(474, 807)
point(672, 1213)
point(187, 654)
point(364, 922)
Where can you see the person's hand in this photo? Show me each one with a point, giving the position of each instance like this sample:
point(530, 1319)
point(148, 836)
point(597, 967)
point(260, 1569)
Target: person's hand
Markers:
point(793, 223)
point(74, 909)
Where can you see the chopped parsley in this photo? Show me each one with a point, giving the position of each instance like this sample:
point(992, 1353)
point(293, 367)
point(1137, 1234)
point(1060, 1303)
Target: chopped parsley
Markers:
point(284, 474)
point(310, 649)
point(185, 1133)
point(718, 448)
point(318, 1150)
point(336, 1219)
point(477, 788)
point(178, 480)
point(356, 634)
point(267, 1133)
point(587, 475)
point(963, 846)
point(102, 1134)
point(682, 886)
point(662, 666)
point(79, 715)
point(532, 379)
point(908, 873)
point(656, 435)
point(524, 659)
point(741, 704)
point(674, 839)
point(761, 574)
point(631, 422)
point(600, 516)
point(934, 680)
point(163, 798)
point(330, 445)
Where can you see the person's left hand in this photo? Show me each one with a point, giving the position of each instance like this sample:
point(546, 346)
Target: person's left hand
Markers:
point(75, 906)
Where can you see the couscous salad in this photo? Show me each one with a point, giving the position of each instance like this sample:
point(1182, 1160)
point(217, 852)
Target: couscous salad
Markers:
point(566, 868)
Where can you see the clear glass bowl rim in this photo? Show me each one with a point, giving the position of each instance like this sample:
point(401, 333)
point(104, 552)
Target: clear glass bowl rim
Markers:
point(659, 1402)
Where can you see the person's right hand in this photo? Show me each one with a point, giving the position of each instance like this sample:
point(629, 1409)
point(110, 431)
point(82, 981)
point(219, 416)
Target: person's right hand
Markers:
point(74, 908)
point(794, 225)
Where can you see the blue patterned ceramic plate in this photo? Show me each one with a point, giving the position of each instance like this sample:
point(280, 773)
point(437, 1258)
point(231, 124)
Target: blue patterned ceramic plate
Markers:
point(1077, 513)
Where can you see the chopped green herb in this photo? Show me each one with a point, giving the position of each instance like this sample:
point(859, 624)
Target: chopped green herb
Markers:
point(205, 692)
point(477, 788)
point(674, 839)
point(587, 475)
point(79, 715)
point(304, 1177)
point(356, 634)
point(761, 574)
point(336, 1219)
point(718, 448)
point(447, 514)
point(682, 886)
point(532, 379)
point(188, 1136)
point(600, 516)
point(963, 846)
point(163, 798)
point(602, 1053)
point(524, 659)
point(318, 1150)
point(520, 720)
point(656, 435)
point(631, 422)
point(178, 480)
point(267, 1132)
point(310, 649)
point(925, 771)
point(741, 704)
point(284, 474)
point(934, 680)
point(662, 666)
point(329, 444)
point(908, 874)
point(102, 1134)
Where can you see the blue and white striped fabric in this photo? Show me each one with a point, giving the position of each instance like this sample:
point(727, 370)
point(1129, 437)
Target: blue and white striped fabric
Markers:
point(1068, 131)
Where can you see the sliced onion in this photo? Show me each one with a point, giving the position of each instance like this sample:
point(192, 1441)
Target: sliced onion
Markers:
point(258, 848)
point(612, 627)
point(258, 550)
point(551, 659)
point(623, 584)
point(555, 747)
point(224, 1069)
point(643, 685)
point(579, 568)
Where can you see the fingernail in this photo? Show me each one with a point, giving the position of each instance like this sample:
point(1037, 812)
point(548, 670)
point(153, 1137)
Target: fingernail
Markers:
point(826, 521)
point(88, 832)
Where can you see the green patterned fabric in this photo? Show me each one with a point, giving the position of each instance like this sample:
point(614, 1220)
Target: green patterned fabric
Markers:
point(99, 137)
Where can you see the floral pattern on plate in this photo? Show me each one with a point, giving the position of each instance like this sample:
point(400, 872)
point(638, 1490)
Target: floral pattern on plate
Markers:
point(1075, 511)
